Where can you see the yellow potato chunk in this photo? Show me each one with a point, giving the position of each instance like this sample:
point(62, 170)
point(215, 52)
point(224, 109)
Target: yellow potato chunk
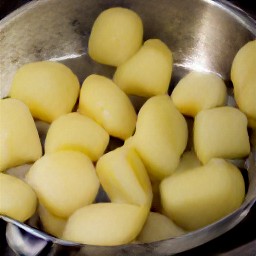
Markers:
point(188, 161)
point(49, 89)
point(19, 139)
point(77, 132)
point(161, 136)
point(148, 72)
point(158, 227)
point(105, 224)
point(221, 132)
point(124, 178)
point(197, 91)
point(64, 181)
point(17, 199)
point(116, 35)
point(199, 197)
point(52, 224)
point(109, 106)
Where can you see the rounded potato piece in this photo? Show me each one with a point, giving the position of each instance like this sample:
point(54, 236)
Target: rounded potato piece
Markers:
point(17, 198)
point(105, 224)
point(161, 136)
point(64, 181)
point(221, 132)
point(124, 178)
point(148, 72)
point(19, 139)
point(158, 227)
point(49, 89)
point(188, 161)
point(116, 35)
point(52, 224)
point(196, 198)
point(77, 132)
point(197, 91)
point(108, 105)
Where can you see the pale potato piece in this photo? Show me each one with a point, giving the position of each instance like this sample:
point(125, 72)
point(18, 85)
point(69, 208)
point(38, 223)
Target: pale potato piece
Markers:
point(148, 72)
point(74, 131)
point(199, 197)
point(19, 139)
point(161, 136)
point(49, 89)
point(116, 35)
point(158, 227)
point(109, 106)
point(124, 178)
point(221, 132)
point(105, 224)
point(188, 161)
point(197, 91)
point(52, 224)
point(64, 181)
point(17, 199)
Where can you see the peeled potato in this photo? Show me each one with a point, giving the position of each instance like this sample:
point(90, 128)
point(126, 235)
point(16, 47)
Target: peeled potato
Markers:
point(124, 178)
point(49, 89)
point(109, 106)
point(116, 35)
point(64, 181)
point(158, 227)
point(197, 91)
point(17, 199)
point(188, 161)
point(196, 198)
point(19, 139)
point(222, 133)
point(148, 72)
point(105, 224)
point(161, 136)
point(77, 132)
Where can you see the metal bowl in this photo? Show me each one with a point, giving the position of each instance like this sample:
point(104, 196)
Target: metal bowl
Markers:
point(203, 35)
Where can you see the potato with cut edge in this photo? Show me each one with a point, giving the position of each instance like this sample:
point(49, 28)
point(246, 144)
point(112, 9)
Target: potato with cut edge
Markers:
point(50, 89)
point(17, 198)
point(124, 178)
point(102, 100)
point(19, 139)
point(188, 161)
point(116, 35)
point(74, 131)
point(221, 132)
point(197, 91)
point(198, 197)
point(105, 224)
point(64, 181)
point(148, 72)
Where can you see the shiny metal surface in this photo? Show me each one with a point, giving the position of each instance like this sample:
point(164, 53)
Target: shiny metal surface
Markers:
point(203, 35)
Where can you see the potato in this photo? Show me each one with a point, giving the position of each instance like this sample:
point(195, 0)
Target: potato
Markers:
point(161, 136)
point(49, 89)
point(148, 72)
point(197, 91)
point(199, 197)
point(221, 132)
point(19, 139)
point(188, 161)
point(124, 178)
point(116, 35)
point(64, 181)
point(109, 106)
point(105, 224)
point(17, 199)
point(52, 224)
point(77, 132)
point(158, 227)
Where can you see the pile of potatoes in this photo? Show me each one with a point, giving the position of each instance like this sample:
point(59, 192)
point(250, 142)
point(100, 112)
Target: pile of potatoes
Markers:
point(159, 184)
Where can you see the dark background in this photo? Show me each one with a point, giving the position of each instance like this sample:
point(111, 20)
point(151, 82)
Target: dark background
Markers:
point(234, 242)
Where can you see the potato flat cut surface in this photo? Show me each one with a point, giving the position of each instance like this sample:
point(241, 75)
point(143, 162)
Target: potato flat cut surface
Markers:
point(19, 139)
point(105, 224)
point(49, 89)
point(116, 35)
